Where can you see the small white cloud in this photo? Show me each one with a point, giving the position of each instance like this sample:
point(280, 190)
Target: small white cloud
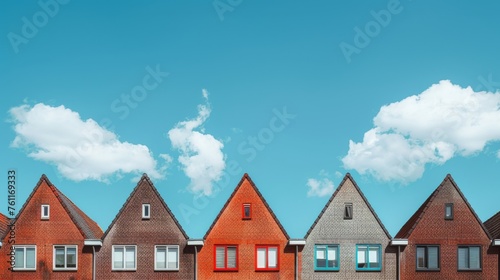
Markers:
point(432, 127)
point(80, 150)
point(201, 155)
point(320, 188)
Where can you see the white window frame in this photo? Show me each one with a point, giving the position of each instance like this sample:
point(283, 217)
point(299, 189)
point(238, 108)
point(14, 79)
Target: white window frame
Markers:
point(166, 257)
point(65, 257)
point(45, 217)
point(25, 247)
point(144, 216)
point(124, 258)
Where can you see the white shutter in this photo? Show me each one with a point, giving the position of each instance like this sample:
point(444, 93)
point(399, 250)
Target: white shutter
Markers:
point(231, 257)
point(219, 257)
point(320, 253)
point(161, 257)
point(474, 257)
point(261, 257)
point(272, 261)
point(172, 257)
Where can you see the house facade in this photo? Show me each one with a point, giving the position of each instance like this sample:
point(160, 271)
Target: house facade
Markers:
point(54, 239)
point(348, 240)
point(493, 227)
point(145, 240)
point(446, 239)
point(246, 240)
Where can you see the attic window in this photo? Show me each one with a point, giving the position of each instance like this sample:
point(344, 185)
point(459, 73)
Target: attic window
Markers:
point(348, 211)
point(146, 213)
point(448, 211)
point(45, 212)
point(247, 211)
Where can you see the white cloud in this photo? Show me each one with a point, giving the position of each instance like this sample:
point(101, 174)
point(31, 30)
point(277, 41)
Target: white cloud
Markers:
point(80, 150)
point(201, 154)
point(432, 127)
point(319, 188)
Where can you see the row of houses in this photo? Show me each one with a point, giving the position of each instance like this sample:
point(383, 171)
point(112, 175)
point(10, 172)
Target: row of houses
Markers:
point(54, 239)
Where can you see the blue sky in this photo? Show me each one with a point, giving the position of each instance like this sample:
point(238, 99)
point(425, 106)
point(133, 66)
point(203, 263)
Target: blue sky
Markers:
point(398, 93)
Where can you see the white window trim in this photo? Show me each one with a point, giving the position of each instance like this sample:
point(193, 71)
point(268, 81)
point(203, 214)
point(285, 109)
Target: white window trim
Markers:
point(25, 246)
point(48, 212)
point(166, 257)
point(65, 254)
point(124, 254)
point(143, 212)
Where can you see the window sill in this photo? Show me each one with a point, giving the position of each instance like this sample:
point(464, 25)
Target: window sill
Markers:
point(226, 270)
point(327, 269)
point(428, 270)
point(65, 269)
point(166, 269)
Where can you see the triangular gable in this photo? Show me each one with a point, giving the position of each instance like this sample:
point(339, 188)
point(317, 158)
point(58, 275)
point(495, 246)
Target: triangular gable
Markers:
point(247, 177)
point(145, 179)
point(493, 225)
point(412, 223)
point(348, 177)
point(87, 227)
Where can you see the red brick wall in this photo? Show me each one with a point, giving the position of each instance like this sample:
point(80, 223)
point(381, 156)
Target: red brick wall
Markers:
point(261, 229)
point(58, 230)
point(464, 229)
point(130, 229)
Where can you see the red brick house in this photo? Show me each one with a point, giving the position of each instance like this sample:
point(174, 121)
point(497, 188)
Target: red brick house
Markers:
point(246, 240)
point(145, 240)
point(446, 239)
point(4, 225)
point(493, 227)
point(54, 239)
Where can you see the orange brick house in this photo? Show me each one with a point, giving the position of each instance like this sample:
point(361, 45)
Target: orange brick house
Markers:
point(54, 239)
point(246, 241)
point(446, 239)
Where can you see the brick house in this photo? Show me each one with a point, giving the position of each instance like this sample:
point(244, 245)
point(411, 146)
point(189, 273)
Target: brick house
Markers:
point(54, 239)
point(347, 240)
point(246, 240)
point(4, 226)
point(145, 240)
point(446, 239)
point(493, 227)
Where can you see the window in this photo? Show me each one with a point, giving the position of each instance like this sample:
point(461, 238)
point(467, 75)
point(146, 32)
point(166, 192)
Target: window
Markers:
point(427, 257)
point(469, 257)
point(326, 257)
point(167, 257)
point(368, 257)
point(146, 211)
point(65, 257)
point(124, 257)
point(45, 212)
point(247, 211)
point(266, 258)
point(25, 257)
point(448, 211)
point(226, 257)
point(348, 211)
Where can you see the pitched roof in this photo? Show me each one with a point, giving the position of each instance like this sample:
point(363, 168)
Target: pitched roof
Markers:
point(412, 223)
point(493, 225)
point(247, 177)
point(145, 179)
point(87, 227)
point(4, 221)
point(348, 177)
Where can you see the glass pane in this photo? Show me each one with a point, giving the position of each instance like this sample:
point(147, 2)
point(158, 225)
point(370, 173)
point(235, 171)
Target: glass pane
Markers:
point(118, 257)
point(231, 257)
point(332, 256)
point(219, 257)
point(361, 256)
point(373, 257)
point(261, 257)
point(161, 257)
point(272, 260)
point(321, 256)
point(60, 257)
point(421, 257)
point(30, 258)
point(172, 257)
point(448, 211)
point(130, 257)
point(432, 257)
point(71, 257)
point(19, 254)
point(474, 257)
point(146, 210)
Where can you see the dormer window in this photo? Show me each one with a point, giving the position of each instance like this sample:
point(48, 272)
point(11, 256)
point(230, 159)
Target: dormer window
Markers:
point(247, 211)
point(348, 211)
point(45, 212)
point(146, 213)
point(448, 211)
